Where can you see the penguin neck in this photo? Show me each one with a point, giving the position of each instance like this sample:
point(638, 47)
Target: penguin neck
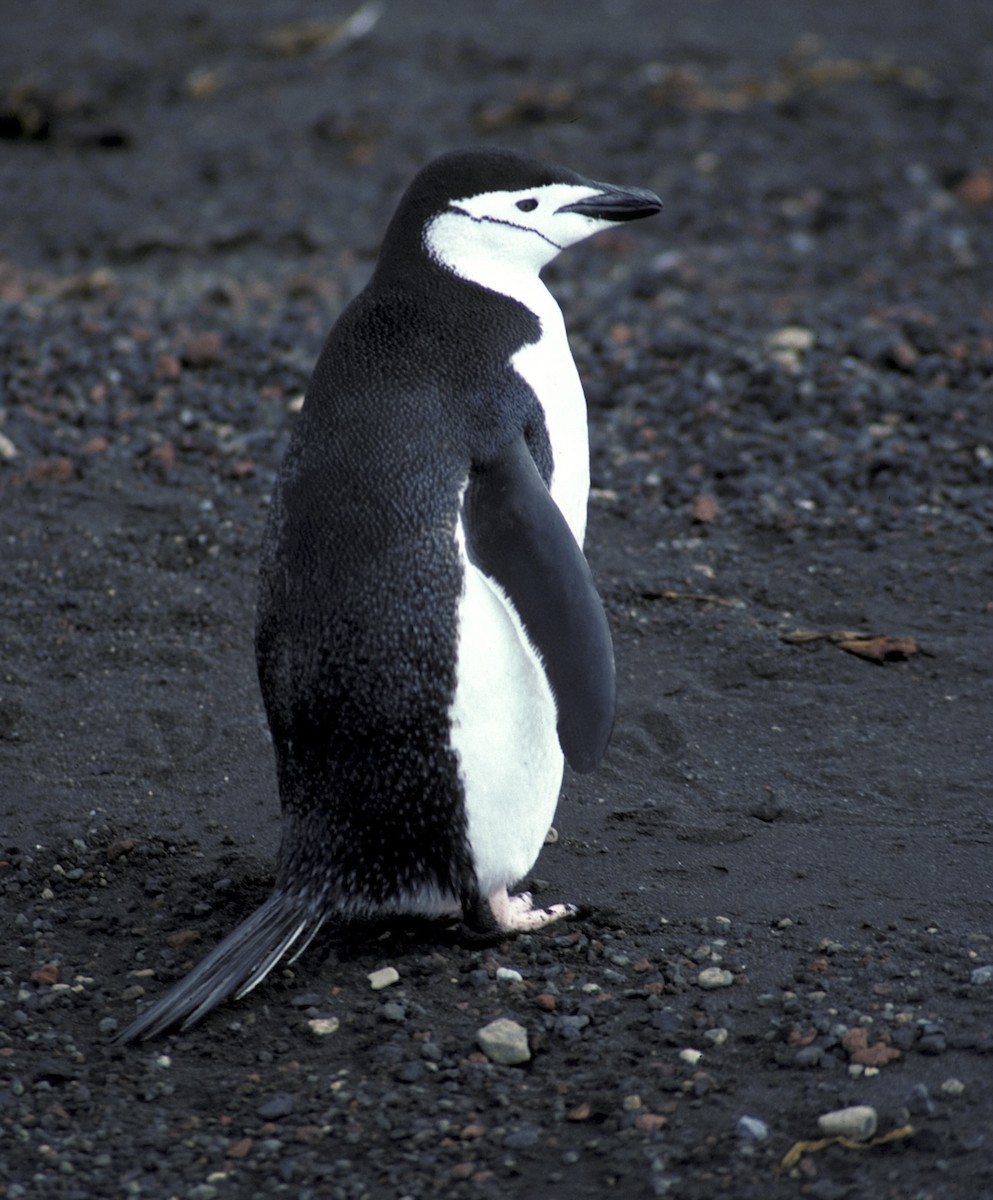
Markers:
point(470, 258)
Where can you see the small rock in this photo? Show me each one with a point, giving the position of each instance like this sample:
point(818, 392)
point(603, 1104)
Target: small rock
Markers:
point(393, 1012)
point(933, 1042)
point(571, 1027)
point(858, 1122)
point(714, 977)
point(690, 1056)
point(982, 975)
point(202, 349)
point(791, 337)
point(410, 1071)
point(383, 978)
point(919, 1102)
point(522, 1137)
point(751, 1129)
point(704, 509)
point(953, 1087)
point(322, 1026)
point(202, 1191)
point(508, 975)
point(504, 1041)
point(277, 1106)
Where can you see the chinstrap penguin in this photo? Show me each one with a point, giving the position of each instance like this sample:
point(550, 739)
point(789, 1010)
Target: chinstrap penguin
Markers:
point(430, 643)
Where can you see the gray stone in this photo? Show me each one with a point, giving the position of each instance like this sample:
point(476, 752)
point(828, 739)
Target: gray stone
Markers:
point(279, 1105)
point(504, 1041)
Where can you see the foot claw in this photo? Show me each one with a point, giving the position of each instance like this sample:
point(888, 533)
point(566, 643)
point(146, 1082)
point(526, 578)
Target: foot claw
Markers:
point(518, 914)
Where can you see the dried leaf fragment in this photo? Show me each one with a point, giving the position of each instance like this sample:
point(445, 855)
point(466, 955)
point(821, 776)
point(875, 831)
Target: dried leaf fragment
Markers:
point(799, 1149)
point(701, 597)
point(47, 974)
point(876, 647)
point(881, 648)
point(301, 37)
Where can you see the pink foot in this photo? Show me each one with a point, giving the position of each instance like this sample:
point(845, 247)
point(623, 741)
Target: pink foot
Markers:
point(518, 913)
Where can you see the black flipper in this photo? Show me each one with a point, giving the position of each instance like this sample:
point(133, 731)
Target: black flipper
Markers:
point(284, 925)
point(517, 535)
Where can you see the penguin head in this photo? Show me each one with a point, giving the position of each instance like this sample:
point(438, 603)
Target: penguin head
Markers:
point(471, 208)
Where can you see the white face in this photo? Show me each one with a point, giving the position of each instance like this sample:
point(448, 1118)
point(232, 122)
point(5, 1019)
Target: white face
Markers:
point(508, 231)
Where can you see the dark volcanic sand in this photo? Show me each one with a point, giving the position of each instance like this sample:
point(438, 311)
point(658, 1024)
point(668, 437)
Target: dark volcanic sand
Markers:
point(789, 374)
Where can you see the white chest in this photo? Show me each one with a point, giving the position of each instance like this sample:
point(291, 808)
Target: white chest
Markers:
point(546, 365)
point(548, 369)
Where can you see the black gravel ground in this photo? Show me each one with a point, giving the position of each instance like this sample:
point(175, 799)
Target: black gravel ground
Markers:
point(790, 375)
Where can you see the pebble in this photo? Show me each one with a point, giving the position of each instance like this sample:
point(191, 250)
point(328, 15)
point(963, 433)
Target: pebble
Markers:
point(202, 1191)
point(858, 1122)
point(504, 1041)
point(571, 1027)
point(751, 1129)
point(522, 1137)
point(715, 977)
point(277, 1106)
point(953, 1087)
point(508, 975)
point(409, 1072)
point(690, 1056)
point(383, 978)
point(809, 1056)
point(322, 1026)
point(982, 975)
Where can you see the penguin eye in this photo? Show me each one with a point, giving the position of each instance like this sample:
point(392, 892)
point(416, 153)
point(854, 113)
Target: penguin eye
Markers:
point(528, 205)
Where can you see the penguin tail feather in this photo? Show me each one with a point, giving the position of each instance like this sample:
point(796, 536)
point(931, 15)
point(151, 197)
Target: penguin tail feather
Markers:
point(285, 922)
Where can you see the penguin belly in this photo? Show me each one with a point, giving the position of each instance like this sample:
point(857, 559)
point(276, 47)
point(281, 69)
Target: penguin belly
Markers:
point(504, 733)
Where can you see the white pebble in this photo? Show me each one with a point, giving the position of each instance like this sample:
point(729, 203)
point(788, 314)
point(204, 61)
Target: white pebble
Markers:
point(715, 977)
point(982, 975)
point(322, 1026)
point(508, 975)
point(751, 1129)
point(858, 1122)
point(383, 978)
point(792, 337)
point(504, 1041)
point(691, 1056)
point(953, 1087)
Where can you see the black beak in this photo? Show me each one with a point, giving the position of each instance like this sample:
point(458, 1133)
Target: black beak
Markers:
point(616, 204)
